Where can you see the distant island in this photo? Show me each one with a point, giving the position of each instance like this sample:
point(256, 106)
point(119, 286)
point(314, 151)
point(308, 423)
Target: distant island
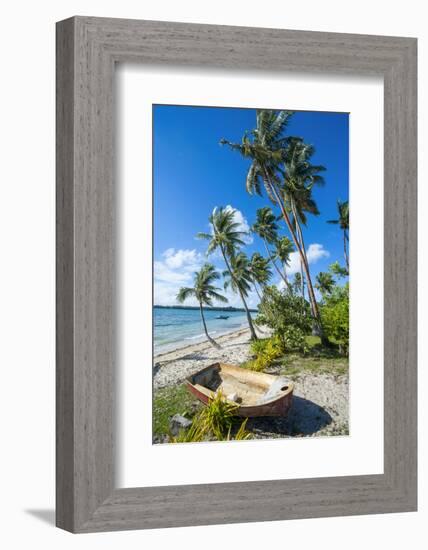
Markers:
point(228, 308)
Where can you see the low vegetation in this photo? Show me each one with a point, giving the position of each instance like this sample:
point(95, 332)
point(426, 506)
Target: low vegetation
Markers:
point(215, 422)
point(269, 356)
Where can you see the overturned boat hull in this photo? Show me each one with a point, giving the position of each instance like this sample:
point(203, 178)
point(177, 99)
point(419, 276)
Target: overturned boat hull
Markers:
point(256, 394)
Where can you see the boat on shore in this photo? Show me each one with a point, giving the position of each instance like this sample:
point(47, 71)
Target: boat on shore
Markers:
point(256, 393)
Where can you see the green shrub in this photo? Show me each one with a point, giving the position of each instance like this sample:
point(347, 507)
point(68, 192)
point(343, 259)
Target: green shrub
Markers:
point(294, 339)
point(218, 416)
point(216, 421)
point(258, 346)
point(280, 310)
point(266, 351)
point(335, 317)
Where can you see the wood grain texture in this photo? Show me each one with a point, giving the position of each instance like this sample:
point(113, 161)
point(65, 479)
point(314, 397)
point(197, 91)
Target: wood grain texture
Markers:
point(87, 49)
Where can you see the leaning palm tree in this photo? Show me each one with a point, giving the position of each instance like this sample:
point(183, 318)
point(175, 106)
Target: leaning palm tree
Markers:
point(299, 177)
point(325, 283)
point(266, 228)
point(205, 292)
point(239, 278)
point(260, 271)
point(227, 237)
point(343, 221)
point(283, 249)
point(265, 146)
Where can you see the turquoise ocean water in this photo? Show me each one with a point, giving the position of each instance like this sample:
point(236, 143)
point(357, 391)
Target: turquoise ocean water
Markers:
point(179, 327)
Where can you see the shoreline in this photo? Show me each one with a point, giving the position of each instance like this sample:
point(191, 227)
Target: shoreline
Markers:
point(173, 367)
point(181, 349)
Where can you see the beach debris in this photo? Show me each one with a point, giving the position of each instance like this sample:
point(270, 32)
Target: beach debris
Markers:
point(178, 423)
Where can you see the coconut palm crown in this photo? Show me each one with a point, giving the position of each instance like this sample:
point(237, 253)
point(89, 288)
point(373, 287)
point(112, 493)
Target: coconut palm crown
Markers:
point(265, 225)
point(226, 234)
point(266, 228)
point(260, 271)
point(264, 146)
point(283, 249)
point(239, 278)
point(325, 283)
point(259, 268)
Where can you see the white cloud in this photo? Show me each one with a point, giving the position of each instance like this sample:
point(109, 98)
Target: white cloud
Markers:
point(314, 252)
point(181, 258)
point(175, 270)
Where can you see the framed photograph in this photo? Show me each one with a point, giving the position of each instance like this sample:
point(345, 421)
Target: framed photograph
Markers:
point(236, 274)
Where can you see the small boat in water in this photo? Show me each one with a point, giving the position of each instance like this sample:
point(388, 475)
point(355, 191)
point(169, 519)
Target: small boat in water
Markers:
point(222, 317)
point(256, 393)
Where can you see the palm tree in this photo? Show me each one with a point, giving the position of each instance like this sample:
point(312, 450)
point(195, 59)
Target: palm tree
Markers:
point(265, 147)
point(325, 282)
point(337, 270)
point(283, 248)
point(227, 237)
point(204, 291)
point(266, 228)
point(300, 176)
point(343, 221)
point(260, 272)
point(239, 277)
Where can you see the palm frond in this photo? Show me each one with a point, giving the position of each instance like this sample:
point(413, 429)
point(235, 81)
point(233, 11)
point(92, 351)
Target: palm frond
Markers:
point(184, 293)
point(219, 297)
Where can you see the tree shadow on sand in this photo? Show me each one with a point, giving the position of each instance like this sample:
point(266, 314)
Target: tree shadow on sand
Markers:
point(304, 418)
point(190, 357)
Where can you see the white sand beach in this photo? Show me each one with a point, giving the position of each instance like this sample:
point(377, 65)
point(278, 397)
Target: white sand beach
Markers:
point(320, 405)
point(174, 366)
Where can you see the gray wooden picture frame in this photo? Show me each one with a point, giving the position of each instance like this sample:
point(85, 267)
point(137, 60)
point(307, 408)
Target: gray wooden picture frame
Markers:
point(87, 50)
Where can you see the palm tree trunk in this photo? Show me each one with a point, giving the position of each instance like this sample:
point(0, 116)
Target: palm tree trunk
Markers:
point(257, 290)
point(211, 340)
point(302, 277)
point(302, 244)
point(283, 277)
point(345, 238)
point(311, 293)
point(284, 267)
point(250, 321)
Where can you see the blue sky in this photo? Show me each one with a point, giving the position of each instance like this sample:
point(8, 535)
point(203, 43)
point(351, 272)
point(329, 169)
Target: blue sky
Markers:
point(192, 174)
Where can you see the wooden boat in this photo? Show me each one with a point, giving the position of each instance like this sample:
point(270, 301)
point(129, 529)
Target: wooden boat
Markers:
point(256, 393)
